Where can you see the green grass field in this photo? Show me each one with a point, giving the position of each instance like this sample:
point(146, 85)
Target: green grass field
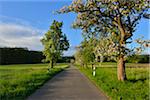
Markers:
point(135, 88)
point(18, 81)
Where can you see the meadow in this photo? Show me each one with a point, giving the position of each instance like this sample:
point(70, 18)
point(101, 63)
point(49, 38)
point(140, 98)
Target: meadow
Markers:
point(20, 80)
point(135, 88)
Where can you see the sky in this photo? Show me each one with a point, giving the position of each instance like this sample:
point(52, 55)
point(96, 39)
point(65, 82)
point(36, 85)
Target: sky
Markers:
point(23, 23)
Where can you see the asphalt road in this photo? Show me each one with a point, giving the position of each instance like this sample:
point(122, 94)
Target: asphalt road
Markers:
point(70, 84)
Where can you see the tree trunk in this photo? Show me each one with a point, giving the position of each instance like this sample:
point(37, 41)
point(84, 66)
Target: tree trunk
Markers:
point(121, 69)
point(122, 41)
point(51, 64)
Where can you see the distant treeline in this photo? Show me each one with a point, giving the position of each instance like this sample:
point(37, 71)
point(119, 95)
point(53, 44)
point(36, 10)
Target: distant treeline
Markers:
point(19, 56)
point(139, 59)
point(65, 59)
point(132, 59)
point(24, 56)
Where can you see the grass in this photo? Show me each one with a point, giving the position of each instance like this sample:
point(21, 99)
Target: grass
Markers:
point(19, 81)
point(128, 65)
point(135, 88)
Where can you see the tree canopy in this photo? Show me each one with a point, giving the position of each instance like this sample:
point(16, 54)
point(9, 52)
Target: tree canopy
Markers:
point(85, 53)
point(55, 42)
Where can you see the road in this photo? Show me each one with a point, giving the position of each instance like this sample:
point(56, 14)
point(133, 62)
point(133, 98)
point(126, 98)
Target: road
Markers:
point(70, 84)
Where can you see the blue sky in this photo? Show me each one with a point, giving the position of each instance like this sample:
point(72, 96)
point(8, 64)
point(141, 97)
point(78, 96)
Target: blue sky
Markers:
point(23, 23)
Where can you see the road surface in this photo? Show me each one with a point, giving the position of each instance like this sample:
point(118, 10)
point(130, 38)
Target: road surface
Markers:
point(70, 84)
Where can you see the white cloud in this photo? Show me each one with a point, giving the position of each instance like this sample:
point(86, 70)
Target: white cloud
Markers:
point(15, 32)
point(16, 35)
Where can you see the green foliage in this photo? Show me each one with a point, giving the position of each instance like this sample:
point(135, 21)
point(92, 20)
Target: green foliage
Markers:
point(135, 88)
point(138, 59)
point(19, 56)
point(54, 43)
point(19, 81)
point(66, 59)
point(85, 54)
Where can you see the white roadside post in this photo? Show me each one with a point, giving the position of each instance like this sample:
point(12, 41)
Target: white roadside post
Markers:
point(94, 71)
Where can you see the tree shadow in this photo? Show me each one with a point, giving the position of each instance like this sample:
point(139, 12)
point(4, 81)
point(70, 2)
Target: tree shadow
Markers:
point(137, 80)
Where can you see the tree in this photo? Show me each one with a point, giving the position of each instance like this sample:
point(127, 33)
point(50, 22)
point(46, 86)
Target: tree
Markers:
point(109, 17)
point(85, 54)
point(78, 57)
point(55, 42)
point(102, 48)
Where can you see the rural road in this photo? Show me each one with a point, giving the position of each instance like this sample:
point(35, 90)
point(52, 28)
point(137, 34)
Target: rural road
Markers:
point(68, 85)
